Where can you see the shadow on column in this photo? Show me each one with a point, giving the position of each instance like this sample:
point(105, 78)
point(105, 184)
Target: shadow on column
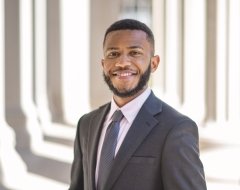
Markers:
point(3, 188)
point(59, 140)
point(54, 63)
point(49, 168)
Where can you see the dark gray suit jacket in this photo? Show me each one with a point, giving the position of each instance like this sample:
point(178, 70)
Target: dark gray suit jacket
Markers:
point(159, 152)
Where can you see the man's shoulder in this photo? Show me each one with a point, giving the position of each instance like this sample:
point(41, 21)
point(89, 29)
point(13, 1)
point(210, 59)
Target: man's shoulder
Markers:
point(157, 106)
point(169, 110)
point(173, 116)
point(164, 110)
point(94, 112)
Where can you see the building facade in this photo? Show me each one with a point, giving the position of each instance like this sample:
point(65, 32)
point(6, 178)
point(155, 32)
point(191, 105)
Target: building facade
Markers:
point(50, 69)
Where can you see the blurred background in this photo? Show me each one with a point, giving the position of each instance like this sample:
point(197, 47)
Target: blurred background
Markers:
point(50, 74)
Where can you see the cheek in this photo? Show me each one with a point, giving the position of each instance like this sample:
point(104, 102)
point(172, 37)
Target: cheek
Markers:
point(142, 65)
point(107, 65)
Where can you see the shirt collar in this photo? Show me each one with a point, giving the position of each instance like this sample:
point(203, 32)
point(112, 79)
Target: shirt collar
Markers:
point(131, 109)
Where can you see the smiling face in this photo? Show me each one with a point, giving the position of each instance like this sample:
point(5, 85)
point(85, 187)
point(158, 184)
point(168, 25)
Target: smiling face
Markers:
point(128, 62)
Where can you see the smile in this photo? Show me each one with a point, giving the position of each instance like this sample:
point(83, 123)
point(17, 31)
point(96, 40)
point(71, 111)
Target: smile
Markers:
point(123, 73)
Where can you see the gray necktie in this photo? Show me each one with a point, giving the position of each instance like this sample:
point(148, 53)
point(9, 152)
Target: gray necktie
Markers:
point(108, 149)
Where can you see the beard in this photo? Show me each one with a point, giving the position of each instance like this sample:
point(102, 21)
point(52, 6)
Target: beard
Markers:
point(144, 78)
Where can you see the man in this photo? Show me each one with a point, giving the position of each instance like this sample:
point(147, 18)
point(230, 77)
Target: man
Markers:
point(150, 146)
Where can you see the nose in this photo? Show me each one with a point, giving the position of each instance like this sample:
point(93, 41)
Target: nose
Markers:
point(123, 61)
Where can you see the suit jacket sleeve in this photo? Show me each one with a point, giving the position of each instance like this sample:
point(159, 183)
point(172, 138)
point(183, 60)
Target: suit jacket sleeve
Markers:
point(181, 166)
point(77, 168)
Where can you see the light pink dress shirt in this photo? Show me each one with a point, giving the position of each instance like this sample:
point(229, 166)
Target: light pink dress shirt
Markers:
point(130, 111)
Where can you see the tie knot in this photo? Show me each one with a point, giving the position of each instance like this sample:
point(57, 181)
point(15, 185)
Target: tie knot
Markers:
point(117, 116)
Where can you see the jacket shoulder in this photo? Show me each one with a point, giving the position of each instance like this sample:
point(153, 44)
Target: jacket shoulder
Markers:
point(86, 118)
point(170, 116)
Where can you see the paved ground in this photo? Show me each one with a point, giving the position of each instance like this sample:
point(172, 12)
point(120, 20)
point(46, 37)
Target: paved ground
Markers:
point(220, 154)
point(49, 167)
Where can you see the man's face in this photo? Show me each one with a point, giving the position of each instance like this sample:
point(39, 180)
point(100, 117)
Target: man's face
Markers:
point(127, 62)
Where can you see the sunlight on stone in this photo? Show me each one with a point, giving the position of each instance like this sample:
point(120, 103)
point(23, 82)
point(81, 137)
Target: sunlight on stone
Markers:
point(56, 152)
point(36, 182)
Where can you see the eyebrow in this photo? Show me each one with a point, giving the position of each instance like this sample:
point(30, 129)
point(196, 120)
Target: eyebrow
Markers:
point(112, 48)
point(135, 47)
point(130, 47)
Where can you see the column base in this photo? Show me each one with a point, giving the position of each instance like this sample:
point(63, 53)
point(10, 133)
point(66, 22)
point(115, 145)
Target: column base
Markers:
point(11, 164)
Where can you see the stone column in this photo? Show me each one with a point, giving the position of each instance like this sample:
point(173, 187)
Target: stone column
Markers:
point(234, 62)
point(40, 62)
point(54, 62)
point(75, 37)
point(173, 59)
point(158, 27)
point(211, 46)
point(103, 14)
point(194, 59)
point(9, 170)
point(20, 109)
point(221, 60)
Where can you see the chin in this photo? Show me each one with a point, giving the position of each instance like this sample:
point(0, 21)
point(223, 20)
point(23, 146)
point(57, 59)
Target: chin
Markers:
point(125, 89)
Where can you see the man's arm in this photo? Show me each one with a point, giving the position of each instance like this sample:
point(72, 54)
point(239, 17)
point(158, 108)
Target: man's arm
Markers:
point(77, 168)
point(182, 168)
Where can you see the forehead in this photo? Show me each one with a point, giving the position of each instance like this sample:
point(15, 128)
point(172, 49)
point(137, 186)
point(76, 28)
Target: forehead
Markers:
point(126, 38)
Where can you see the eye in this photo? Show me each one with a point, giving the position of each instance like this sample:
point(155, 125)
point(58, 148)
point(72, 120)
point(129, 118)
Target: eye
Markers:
point(135, 53)
point(113, 54)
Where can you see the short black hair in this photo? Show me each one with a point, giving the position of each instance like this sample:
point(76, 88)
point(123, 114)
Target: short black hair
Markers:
point(131, 24)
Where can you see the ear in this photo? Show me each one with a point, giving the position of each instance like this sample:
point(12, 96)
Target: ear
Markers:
point(102, 62)
point(155, 60)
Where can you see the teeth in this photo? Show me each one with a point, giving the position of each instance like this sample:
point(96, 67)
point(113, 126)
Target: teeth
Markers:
point(125, 74)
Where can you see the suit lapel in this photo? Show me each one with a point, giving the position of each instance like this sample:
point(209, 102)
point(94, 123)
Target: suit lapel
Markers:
point(141, 127)
point(95, 129)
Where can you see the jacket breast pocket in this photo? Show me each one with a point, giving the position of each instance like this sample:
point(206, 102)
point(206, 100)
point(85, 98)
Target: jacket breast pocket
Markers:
point(141, 160)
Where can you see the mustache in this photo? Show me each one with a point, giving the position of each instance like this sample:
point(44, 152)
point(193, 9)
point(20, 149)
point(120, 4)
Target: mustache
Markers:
point(123, 69)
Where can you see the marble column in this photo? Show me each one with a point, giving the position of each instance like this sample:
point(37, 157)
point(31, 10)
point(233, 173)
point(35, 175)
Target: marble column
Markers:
point(221, 60)
point(174, 49)
point(75, 37)
point(54, 62)
point(103, 14)
point(20, 110)
point(194, 59)
point(11, 165)
point(40, 63)
point(211, 46)
point(158, 28)
point(234, 62)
